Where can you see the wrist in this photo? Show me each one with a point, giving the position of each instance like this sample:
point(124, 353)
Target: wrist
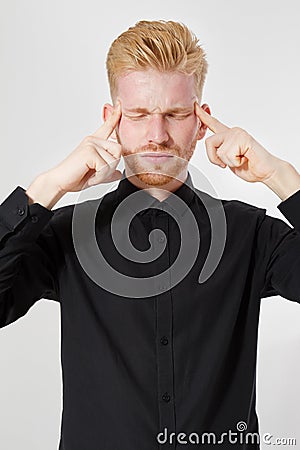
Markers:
point(285, 181)
point(43, 190)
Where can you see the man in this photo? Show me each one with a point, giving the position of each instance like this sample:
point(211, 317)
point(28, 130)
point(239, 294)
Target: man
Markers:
point(153, 361)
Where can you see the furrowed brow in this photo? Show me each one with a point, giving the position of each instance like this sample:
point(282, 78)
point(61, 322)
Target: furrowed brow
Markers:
point(178, 110)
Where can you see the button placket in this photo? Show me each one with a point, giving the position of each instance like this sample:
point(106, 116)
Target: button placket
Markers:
point(164, 331)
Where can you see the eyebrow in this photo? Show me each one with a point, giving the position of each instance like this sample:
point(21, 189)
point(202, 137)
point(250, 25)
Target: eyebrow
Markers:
point(170, 110)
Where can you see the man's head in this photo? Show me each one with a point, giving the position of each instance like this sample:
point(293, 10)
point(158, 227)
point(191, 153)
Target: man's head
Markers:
point(157, 70)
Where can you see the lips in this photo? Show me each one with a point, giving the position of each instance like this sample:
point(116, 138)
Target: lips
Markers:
point(155, 157)
point(156, 154)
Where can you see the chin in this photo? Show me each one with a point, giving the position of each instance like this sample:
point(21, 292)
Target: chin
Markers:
point(154, 179)
point(157, 174)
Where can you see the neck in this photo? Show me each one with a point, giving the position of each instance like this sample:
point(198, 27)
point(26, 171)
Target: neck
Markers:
point(159, 192)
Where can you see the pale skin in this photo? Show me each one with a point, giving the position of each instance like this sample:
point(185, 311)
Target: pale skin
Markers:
point(160, 126)
point(96, 154)
point(246, 158)
point(157, 116)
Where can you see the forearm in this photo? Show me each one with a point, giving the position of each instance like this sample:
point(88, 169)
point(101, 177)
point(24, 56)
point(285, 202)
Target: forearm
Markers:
point(29, 256)
point(285, 181)
point(43, 191)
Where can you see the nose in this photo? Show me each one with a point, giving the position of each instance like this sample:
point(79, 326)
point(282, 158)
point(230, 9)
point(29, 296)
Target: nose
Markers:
point(157, 129)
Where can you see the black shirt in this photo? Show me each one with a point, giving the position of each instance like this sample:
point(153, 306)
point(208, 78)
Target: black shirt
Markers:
point(180, 359)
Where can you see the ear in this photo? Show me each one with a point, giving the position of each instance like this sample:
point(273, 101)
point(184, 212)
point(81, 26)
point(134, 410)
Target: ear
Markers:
point(106, 112)
point(202, 127)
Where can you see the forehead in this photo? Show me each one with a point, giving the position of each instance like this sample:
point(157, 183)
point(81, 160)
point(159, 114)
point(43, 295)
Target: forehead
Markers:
point(151, 88)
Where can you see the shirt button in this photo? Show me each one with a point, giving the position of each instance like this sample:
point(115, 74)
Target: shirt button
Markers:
point(164, 340)
point(21, 211)
point(166, 397)
point(34, 219)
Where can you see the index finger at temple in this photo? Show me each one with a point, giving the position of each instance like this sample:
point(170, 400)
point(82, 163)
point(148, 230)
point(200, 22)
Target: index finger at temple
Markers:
point(110, 124)
point(211, 122)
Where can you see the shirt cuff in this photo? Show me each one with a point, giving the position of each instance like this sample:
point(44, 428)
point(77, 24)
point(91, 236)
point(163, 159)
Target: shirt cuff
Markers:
point(290, 208)
point(15, 212)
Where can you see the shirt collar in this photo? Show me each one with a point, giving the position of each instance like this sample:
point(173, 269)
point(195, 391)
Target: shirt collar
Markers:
point(185, 192)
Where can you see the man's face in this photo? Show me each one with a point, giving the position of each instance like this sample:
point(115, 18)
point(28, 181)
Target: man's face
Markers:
point(157, 117)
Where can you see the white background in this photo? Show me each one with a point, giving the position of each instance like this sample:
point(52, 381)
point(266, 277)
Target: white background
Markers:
point(53, 86)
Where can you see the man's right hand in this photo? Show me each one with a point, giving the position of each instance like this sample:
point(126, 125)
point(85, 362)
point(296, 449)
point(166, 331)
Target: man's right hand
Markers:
point(93, 162)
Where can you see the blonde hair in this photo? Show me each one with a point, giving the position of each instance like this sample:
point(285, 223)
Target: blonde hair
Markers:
point(161, 45)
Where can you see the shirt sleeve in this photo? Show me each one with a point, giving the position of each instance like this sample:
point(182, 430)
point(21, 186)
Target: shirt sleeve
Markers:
point(279, 250)
point(28, 256)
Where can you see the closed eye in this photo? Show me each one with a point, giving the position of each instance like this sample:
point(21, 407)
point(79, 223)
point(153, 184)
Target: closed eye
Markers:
point(179, 116)
point(136, 117)
point(172, 116)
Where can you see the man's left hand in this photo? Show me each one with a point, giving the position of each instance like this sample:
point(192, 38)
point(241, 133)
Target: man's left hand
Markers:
point(237, 149)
